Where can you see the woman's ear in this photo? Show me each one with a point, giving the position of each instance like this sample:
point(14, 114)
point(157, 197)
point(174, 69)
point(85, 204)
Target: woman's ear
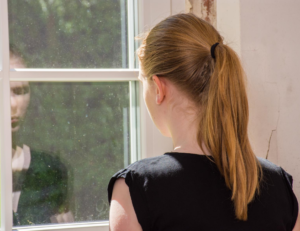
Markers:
point(160, 91)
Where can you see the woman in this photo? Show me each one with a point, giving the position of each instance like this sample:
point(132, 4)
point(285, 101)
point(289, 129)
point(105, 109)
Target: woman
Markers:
point(195, 93)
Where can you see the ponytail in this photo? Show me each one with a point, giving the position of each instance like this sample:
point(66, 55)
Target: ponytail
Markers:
point(223, 129)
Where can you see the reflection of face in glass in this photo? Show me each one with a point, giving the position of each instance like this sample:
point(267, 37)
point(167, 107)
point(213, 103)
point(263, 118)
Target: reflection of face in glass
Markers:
point(19, 100)
point(19, 94)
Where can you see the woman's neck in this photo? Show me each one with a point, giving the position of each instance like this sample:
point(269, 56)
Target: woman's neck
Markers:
point(183, 126)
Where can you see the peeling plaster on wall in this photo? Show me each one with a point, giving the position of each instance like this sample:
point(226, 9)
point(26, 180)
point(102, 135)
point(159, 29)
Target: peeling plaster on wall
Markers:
point(188, 6)
point(205, 9)
point(210, 13)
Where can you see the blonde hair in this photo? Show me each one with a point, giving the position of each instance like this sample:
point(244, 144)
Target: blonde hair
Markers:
point(178, 48)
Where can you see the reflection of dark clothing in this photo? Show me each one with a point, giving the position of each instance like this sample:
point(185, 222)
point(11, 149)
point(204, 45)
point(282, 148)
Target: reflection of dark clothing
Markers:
point(178, 191)
point(43, 190)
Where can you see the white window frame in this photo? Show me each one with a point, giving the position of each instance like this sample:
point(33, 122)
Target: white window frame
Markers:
point(147, 140)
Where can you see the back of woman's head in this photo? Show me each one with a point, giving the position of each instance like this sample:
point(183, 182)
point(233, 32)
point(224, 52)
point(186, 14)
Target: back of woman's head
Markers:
point(179, 49)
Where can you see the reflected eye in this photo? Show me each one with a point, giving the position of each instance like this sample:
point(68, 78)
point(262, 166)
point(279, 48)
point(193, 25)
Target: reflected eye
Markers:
point(21, 90)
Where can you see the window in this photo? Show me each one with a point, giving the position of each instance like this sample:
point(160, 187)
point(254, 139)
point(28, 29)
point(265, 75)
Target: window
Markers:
point(70, 67)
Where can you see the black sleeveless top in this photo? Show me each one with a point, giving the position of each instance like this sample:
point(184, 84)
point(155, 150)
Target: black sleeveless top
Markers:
point(44, 190)
point(180, 191)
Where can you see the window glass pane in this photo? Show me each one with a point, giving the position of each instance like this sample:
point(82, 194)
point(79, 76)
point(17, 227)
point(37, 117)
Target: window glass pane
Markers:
point(74, 137)
point(69, 34)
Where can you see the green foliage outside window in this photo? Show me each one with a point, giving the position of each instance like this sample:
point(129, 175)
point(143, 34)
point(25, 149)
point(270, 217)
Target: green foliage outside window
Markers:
point(68, 34)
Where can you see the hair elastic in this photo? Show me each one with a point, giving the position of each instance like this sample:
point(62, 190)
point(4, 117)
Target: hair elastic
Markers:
point(212, 50)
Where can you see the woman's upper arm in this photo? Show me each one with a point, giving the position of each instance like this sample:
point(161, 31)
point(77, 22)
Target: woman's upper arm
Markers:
point(122, 216)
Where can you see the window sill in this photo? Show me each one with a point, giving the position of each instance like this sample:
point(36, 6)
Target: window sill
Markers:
point(87, 226)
